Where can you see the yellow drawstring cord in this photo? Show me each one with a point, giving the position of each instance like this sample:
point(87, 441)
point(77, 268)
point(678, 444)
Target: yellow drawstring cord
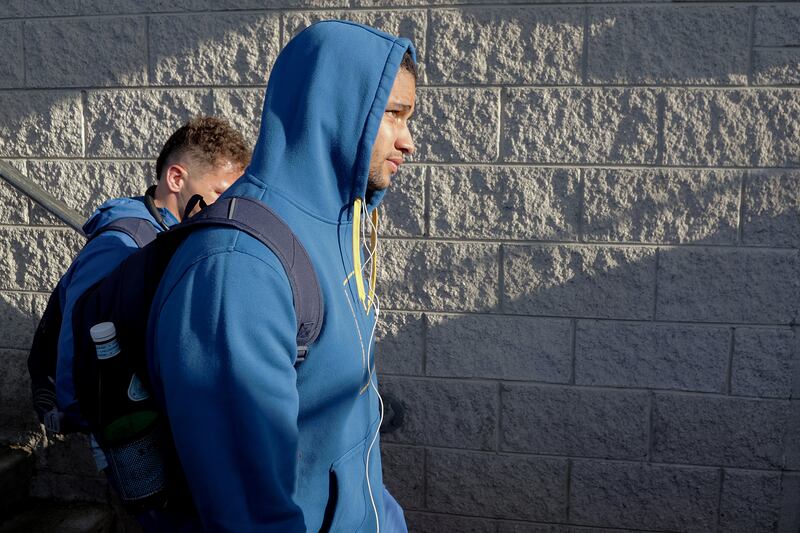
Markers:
point(373, 244)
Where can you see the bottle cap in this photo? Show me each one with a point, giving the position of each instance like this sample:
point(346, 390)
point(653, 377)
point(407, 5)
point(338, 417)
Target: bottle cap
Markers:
point(102, 332)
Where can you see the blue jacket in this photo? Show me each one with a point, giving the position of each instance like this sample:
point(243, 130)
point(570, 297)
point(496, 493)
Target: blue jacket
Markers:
point(265, 445)
point(97, 259)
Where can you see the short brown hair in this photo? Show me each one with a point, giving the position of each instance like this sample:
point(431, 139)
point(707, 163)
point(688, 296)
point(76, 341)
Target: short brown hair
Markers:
point(408, 65)
point(207, 139)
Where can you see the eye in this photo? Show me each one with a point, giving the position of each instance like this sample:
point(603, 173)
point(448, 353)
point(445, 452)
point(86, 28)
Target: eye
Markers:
point(394, 113)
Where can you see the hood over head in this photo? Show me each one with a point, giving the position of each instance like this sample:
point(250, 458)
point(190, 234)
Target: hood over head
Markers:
point(324, 103)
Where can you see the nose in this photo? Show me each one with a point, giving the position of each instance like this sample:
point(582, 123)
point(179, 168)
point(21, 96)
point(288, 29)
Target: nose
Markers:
point(405, 142)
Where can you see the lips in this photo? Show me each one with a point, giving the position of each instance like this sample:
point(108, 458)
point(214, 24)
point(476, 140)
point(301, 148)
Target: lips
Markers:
point(395, 163)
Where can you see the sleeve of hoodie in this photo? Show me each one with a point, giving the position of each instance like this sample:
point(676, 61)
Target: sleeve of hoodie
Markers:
point(97, 259)
point(223, 360)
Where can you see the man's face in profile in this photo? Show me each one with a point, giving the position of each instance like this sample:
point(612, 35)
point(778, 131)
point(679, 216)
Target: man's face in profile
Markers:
point(393, 141)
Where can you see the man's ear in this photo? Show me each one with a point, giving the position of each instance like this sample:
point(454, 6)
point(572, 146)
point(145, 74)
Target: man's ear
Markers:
point(175, 177)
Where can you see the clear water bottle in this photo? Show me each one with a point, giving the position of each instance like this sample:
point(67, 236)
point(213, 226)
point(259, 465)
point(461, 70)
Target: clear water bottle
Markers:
point(129, 426)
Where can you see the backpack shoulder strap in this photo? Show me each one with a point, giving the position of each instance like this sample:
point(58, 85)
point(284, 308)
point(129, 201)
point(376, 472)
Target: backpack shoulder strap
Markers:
point(260, 222)
point(140, 230)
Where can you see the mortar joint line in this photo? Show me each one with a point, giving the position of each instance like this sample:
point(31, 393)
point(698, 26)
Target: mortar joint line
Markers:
point(428, 39)
point(568, 509)
point(84, 103)
point(149, 70)
point(655, 286)
point(501, 277)
point(574, 342)
point(729, 370)
point(717, 518)
point(426, 220)
point(425, 320)
point(581, 202)
point(741, 211)
point(500, 112)
point(24, 32)
point(499, 424)
point(661, 111)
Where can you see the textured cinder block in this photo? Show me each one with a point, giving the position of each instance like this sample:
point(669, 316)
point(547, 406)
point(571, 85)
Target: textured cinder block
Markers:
point(637, 495)
point(444, 413)
point(732, 127)
point(500, 347)
point(19, 316)
point(242, 108)
point(411, 24)
point(655, 356)
point(85, 185)
point(696, 45)
point(69, 487)
point(497, 486)
point(439, 276)
point(16, 409)
point(404, 474)
point(528, 527)
point(579, 126)
point(751, 501)
point(444, 523)
point(718, 431)
point(136, 123)
point(571, 421)
point(674, 206)
point(403, 208)
point(70, 454)
point(587, 281)
point(218, 49)
point(40, 123)
point(776, 66)
point(456, 125)
point(790, 512)
point(14, 205)
point(771, 212)
point(777, 25)
point(763, 362)
point(504, 202)
point(400, 345)
point(12, 69)
point(34, 259)
point(728, 285)
point(86, 52)
point(506, 45)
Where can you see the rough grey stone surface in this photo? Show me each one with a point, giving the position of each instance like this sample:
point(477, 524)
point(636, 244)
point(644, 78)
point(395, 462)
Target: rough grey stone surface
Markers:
point(34, 259)
point(411, 24)
point(504, 202)
point(527, 527)
point(750, 502)
point(719, 431)
point(15, 389)
point(404, 474)
point(506, 45)
point(771, 212)
point(12, 69)
point(136, 123)
point(579, 126)
point(655, 206)
point(218, 49)
point(400, 344)
point(587, 281)
point(645, 496)
point(497, 486)
point(776, 66)
point(15, 206)
point(456, 125)
point(444, 413)
point(763, 362)
point(441, 523)
point(403, 208)
point(732, 128)
point(61, 53)
point(653, 44)
point(41, 123)
point(777, 25)
point(83, 186)
point(242, 108)
point(439, 276)
point(69, 487)
point(19, 315)
point(500, 347)
point(790, 511)
point(728, 285)
point(654, 356)
point(68, 454)
point(574, 422)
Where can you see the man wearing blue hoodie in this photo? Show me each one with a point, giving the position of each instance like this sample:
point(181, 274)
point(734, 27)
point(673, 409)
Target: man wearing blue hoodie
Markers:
point(202, 157)
point(266, 444)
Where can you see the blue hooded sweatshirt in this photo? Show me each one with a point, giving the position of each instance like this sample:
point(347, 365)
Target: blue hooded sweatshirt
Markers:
point(97, 259)
point(265, 445)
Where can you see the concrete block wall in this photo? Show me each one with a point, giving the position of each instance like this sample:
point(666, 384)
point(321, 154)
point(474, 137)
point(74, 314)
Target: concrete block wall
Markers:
point(591, 269)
